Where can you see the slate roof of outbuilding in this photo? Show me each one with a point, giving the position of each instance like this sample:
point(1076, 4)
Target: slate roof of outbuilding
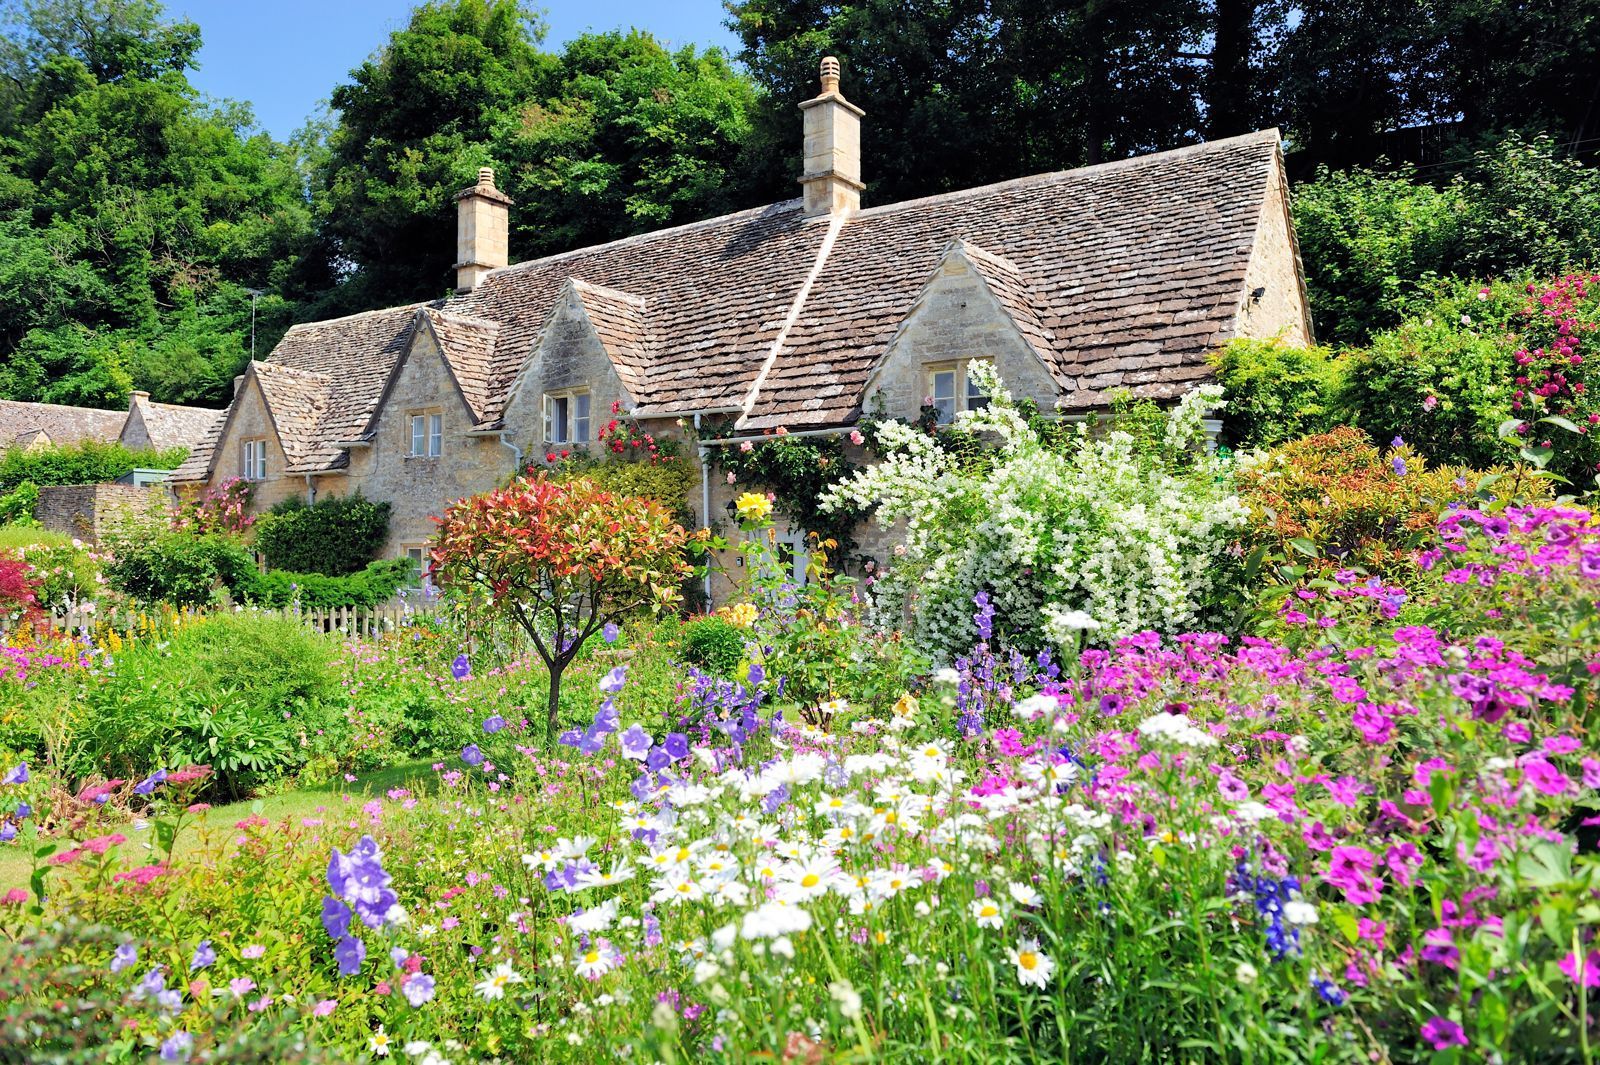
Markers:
point(170, 425)
point(22, 423)
point(1122, 274)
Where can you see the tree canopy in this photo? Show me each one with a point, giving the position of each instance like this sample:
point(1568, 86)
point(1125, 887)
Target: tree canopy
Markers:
point(141, 223)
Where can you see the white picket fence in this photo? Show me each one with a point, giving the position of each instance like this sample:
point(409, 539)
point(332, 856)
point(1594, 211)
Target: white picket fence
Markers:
point(348, 621)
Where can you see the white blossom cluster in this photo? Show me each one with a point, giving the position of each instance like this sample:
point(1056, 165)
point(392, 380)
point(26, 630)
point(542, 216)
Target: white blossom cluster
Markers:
point(1091, 539)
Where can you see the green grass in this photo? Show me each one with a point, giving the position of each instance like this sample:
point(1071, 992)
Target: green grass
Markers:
point(287, 805)
point(15, 536)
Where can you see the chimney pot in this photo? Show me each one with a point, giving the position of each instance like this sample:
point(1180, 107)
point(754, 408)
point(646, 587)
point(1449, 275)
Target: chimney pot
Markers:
point(830, 74)
point(832, 175)
point(486, 176)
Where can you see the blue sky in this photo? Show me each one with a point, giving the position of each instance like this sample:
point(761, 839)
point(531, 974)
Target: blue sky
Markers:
point(284, 56)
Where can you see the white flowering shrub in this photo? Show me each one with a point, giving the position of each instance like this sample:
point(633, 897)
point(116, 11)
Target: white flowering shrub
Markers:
point(1099, 536)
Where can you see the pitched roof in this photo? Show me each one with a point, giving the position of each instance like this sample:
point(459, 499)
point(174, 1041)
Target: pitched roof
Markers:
point(619, 321)
point(300, 403)
point(1123, 274)
point(356, 353)
point(169, 425)
point(1135, 269)
point(23, 423)
point(468, 345)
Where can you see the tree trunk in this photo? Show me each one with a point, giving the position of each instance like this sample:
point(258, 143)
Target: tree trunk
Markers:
point(1228, 98)
point(553, 708)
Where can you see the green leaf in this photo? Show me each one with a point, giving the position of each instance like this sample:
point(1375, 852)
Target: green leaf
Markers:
point(1347, 924)
point(1538, 456)
point(1559, 421)
point(1304, 546)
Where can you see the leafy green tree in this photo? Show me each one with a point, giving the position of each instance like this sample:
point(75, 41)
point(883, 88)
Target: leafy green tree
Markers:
point(1374, 242)
point(136, 215)
point(414, 124)
point(631, 137)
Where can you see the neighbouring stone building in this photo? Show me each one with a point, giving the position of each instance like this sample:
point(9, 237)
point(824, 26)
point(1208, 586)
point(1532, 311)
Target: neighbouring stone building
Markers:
point(144, 424)
point(803, 315)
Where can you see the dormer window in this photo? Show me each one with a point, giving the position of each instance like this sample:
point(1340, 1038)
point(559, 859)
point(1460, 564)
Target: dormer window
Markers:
point(566, 417)
point(951, 390)
point(427, 435)
point(254, 460)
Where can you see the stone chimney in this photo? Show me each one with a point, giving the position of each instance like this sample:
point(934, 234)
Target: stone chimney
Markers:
point(483, 219)
point(832, 176)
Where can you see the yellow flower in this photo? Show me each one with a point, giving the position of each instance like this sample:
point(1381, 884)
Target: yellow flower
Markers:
point(753, 506)
point(741, 614)
point(906, 706)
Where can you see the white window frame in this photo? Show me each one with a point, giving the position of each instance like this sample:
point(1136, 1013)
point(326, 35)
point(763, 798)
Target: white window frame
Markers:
point(964, 391)
point(427, 435)
point(253, 458)
point(568, 416)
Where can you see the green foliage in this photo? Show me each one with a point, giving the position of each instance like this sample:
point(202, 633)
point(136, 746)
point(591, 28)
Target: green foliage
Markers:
point(90, 462)
point(797, 471)
point(375, 583)
point(243, 693)
point(154, 563)
point(626, 137)
point(66, 572)
point(713, 645)
point(1276, 392)
point(666, 481)
point(1442, 384)
point(76, 1024)
point(1374, 242)
point(414, 123)
point(1334, 501)
point(17, 505)
point(133, 214)
point(335, 535)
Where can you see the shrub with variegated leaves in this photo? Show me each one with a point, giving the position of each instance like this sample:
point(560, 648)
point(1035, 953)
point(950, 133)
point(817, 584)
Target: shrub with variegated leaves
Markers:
point(560, 560)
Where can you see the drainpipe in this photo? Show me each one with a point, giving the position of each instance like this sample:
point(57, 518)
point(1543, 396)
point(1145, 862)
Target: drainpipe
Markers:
point(705, 496)
point(311, 491)
point(516, 452)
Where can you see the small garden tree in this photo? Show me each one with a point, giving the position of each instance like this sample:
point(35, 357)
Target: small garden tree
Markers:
point(561, 560)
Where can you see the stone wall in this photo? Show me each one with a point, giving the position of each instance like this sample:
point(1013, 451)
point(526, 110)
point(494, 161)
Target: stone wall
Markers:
point(569, 355)
point(1274, 271)
point(251, 421)
point(86, 511)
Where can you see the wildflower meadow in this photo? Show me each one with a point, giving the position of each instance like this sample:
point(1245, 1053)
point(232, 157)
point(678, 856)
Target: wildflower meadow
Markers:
point(1351, 819)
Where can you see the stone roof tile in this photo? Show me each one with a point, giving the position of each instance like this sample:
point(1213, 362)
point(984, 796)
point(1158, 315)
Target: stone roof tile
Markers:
point(23, 423)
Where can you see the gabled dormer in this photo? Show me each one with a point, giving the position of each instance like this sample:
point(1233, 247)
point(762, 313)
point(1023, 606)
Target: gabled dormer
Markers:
point(975, 305)
point(590, 358)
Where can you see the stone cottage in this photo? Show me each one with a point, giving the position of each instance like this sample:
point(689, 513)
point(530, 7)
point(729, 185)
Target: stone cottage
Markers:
point(801, 315)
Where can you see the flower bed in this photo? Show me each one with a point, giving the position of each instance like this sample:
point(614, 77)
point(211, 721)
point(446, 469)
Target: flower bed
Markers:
point(1370, 840)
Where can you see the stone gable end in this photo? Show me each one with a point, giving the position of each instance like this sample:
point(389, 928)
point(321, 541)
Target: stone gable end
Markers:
point(418, 487)
point(251, 420)
point(1281, 309)
point(956, 317)
point(568, 355)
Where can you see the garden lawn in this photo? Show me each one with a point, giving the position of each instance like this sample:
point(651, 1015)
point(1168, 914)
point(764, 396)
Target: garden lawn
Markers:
point(209, 827)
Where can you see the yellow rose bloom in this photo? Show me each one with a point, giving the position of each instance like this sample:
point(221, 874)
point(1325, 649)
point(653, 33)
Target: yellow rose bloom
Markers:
point(753, 506)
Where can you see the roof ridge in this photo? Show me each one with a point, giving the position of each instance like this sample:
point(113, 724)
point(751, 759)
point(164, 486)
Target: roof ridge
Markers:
point(1052, 176)
point(607, 290)
point(636, 238)
point(279, 367)
point(414, 306)
point(62, 406)
point(465, 319)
